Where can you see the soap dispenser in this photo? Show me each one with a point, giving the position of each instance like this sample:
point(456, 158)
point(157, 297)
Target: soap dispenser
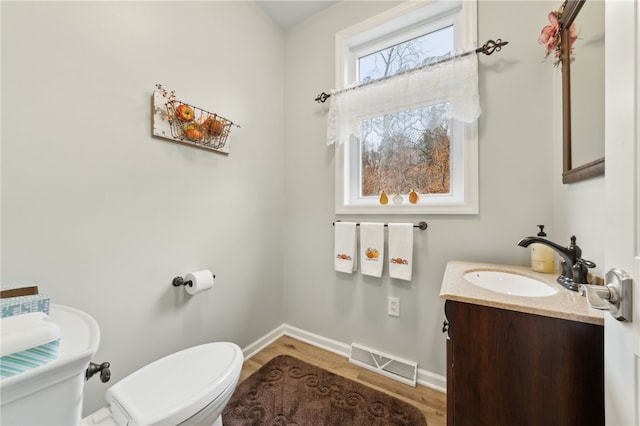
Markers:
point(542, 257)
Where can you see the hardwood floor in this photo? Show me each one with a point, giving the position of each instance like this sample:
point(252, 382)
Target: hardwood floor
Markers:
point(431, 402)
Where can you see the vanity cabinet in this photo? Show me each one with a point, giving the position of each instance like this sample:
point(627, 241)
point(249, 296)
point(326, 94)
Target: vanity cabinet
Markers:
point(512, 368)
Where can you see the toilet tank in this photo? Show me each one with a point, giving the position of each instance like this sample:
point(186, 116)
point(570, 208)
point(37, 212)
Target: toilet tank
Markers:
point(51, 394)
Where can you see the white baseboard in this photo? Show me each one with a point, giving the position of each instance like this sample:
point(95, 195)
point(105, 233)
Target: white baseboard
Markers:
point(327, 344)
point(425, 378)
point(432, 380)
point(263, 342)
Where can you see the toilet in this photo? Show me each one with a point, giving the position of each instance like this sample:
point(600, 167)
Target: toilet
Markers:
point(189, 387)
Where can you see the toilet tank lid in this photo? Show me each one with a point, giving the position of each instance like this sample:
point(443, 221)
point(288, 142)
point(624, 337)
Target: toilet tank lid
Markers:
point(173, 388)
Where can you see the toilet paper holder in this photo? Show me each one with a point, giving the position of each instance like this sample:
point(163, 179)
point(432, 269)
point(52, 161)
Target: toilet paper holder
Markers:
point(178, 281)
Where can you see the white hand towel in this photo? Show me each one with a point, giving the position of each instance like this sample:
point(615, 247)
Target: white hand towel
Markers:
point(400, 250)
point(345, 247)
point(372, 248)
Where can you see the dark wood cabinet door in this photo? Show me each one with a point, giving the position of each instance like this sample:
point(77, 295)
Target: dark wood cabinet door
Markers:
point(512, 368)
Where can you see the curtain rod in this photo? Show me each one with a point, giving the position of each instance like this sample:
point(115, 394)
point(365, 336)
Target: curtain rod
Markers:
point(421, 225)
point(488, 48)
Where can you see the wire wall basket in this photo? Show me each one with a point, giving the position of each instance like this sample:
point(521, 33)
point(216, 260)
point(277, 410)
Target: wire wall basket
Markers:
point(182, 122)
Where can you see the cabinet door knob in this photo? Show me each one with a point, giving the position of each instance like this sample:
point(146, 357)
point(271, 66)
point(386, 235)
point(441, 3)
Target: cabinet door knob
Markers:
point(445, 326)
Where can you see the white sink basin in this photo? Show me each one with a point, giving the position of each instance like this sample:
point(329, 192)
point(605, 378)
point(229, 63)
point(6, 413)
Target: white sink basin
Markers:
point(509, 283)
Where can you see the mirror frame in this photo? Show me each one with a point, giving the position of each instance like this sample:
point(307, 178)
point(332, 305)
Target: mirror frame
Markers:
point(571, 173)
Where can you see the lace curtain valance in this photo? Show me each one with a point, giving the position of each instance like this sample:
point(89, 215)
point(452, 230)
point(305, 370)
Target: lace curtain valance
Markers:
point(454, 80)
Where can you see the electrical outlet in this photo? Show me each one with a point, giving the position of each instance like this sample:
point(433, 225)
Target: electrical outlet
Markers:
point(393, 306)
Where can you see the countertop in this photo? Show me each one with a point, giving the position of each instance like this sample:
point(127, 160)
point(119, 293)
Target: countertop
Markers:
point(565, 304)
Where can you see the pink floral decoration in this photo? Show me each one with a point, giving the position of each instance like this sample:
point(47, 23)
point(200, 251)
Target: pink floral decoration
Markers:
point(550, 36)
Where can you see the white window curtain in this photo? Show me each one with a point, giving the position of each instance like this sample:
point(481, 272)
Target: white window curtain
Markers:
point(454, 80)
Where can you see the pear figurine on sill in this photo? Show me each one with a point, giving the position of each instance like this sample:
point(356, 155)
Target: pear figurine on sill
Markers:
point(413, 197)
point(384, 199)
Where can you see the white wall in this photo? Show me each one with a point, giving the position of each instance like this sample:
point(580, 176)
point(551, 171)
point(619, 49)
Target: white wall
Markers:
point(516, 186)
point(580, 210)
point(101, 215)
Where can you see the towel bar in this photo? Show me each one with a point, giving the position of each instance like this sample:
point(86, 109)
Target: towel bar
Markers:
point(421, 225)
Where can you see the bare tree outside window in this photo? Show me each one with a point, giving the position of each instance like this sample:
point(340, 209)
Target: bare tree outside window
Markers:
point(406, 150)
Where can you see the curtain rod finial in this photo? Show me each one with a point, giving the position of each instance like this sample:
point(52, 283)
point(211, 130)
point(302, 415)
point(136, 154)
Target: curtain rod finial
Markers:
point(322, 97)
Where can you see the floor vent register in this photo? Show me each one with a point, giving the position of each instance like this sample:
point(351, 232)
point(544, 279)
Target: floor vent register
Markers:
point(385, 364)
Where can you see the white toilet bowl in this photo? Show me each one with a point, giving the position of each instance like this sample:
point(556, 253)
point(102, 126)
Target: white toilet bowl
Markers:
point(189, 387)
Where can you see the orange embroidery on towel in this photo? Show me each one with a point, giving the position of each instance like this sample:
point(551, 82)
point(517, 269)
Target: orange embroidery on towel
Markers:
point(399, 260)
point(343, 256)
point(372, 253)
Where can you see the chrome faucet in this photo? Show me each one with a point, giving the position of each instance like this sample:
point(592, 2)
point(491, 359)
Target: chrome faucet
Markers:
point(574, 268)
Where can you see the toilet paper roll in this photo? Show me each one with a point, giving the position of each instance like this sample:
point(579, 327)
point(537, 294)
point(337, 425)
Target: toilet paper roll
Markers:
point(200, 281)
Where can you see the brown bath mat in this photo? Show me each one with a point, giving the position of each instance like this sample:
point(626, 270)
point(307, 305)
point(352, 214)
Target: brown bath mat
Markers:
point(287, 392)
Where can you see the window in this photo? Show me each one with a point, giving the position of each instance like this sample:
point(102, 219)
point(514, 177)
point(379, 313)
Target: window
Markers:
point(417, 147)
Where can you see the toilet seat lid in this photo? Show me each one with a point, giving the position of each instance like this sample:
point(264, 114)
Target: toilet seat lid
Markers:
point(173, 388)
